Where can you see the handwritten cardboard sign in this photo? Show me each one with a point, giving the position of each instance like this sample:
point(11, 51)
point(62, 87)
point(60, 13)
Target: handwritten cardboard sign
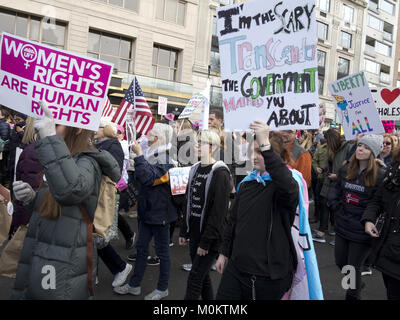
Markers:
point(268, 52)
point(355, 106)
point(178, 178)
point(73, 87)
point(387, 101)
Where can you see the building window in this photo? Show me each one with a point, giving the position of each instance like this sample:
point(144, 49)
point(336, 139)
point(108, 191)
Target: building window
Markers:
point(371, 66)
point(345, 39)
point(323, 5)
point(214, 55)
point(383, 49)
point(343, 68)
point(348, 13)
point(385, 74)
point(375, 23)
point(165, 63)
point(171, 10)
point(398, 83)
point(373, 5)
point(322, 30)
point(321, 70)
point(226, 2)
point(387, 7)
point(33, 28)
point(127, 4)
point(112, 48)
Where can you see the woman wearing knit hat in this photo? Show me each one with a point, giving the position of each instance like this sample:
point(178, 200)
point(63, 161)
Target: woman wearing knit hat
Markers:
point(355, 186)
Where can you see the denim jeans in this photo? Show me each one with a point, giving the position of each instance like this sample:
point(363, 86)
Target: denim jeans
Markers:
point(111, 259)
point(199, 281)
point(161, 241)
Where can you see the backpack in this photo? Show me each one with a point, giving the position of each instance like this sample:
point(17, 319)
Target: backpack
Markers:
point(105, 210)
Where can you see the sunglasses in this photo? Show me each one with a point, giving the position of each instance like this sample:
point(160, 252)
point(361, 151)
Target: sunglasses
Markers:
point(387, 143)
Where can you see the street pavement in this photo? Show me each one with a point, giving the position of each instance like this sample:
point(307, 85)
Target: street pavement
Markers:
point(330, 275)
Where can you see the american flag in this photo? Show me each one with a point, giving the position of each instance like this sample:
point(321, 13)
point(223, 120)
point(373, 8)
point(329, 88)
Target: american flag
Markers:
point(135, 100)
point(107, 109)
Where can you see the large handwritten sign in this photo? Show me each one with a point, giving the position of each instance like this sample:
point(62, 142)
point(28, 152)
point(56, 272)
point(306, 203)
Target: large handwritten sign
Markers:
point(74, 87)
point(268, 52)
point(355, 106)
point(178, 179)
point(387, 101)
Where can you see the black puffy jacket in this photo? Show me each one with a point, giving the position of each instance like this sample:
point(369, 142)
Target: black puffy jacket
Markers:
point(113, 146)
point(4, 129)
point(349, 199)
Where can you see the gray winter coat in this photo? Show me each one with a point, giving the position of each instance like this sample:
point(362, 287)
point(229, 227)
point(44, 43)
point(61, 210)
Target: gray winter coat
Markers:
point(60, 244)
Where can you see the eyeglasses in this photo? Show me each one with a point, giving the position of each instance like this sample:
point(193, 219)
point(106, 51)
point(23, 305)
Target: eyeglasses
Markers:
point(387, 143)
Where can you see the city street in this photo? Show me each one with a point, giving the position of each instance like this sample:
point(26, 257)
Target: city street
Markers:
point(330, 276)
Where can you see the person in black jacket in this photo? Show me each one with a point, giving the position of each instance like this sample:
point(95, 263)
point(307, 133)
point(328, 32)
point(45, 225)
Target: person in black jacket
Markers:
point(355, 187)
point(4, 135)
point(257, 238)
point(207, 197)
point(385, 254)
point(106, 140)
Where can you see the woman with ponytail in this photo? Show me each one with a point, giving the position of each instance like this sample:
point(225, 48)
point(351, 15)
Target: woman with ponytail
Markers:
point(58, 258)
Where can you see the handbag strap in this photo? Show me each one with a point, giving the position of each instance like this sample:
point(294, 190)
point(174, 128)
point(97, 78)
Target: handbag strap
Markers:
point(89, 247)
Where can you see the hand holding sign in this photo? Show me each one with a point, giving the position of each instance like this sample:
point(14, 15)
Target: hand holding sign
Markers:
point(136, 148)
point(261, 129)
point(45, 124)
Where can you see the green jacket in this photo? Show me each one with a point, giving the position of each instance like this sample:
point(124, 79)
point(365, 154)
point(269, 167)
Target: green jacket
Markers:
point(320, 159)
point(60, 244)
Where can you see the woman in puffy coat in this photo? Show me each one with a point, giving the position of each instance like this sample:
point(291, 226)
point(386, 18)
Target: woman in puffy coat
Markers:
point(355, 186)
point(55, 261)
point(385, 255)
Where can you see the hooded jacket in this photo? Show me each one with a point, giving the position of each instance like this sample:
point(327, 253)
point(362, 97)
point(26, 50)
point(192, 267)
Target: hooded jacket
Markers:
point(61, 243)
point(216, 203)
point(349, 199)
point(4, 129)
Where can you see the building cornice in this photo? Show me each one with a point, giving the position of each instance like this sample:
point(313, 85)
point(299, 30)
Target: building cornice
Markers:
point(361, 3)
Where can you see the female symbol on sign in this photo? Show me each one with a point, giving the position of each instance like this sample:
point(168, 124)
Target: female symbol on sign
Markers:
point(29, 54)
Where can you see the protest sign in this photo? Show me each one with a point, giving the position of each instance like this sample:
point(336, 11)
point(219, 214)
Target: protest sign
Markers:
point(387, 101)
point(178, 178)
point(389, 125)
point(355, 106)
point(162, 105)
point(195, 101)
point(73, 87)
point(268, 52)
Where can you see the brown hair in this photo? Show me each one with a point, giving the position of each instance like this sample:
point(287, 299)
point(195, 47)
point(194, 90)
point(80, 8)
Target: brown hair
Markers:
point(76, 141)
point(276, 140)
point(396, 156)
point(370, 175)
point(333, 141)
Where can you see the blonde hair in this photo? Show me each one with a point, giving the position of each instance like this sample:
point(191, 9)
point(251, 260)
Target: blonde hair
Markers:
point(30, 135)
point(109, 131)
point(307, 143)
point(210, 136)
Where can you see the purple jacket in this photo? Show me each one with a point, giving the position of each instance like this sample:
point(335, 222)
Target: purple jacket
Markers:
point(30, 171)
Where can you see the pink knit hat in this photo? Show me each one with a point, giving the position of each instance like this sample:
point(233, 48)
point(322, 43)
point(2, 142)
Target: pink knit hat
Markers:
point(169, 116)
point(120, 128)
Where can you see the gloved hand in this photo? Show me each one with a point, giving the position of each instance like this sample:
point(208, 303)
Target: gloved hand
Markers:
point(45, 125)
point(23, 192)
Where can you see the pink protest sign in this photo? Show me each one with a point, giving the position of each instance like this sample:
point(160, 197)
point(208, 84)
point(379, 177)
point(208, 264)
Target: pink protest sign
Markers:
point(388, 125)
point(74, 87)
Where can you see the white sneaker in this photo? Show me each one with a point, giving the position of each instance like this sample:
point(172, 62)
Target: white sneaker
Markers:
point(156, 295)
point(120, 277)
point(126, 289)
point(187, 267)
